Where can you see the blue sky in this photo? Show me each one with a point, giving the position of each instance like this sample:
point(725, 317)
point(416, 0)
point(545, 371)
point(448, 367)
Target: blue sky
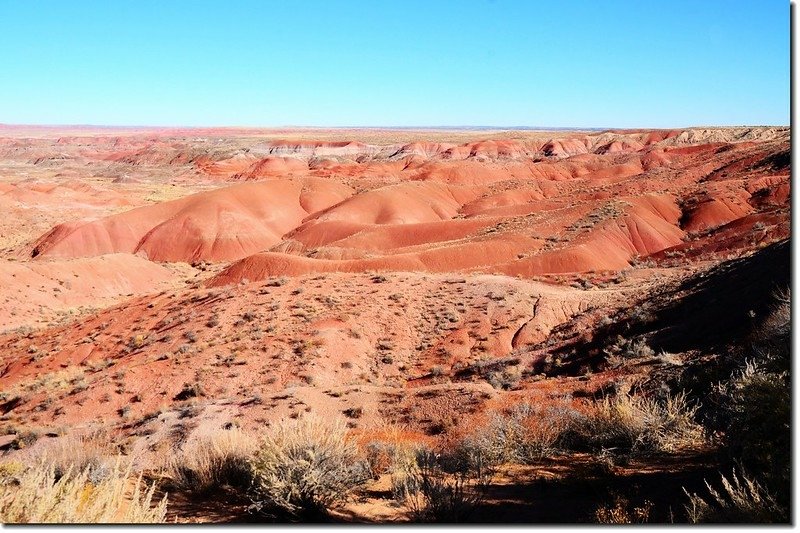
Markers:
point(552, 63)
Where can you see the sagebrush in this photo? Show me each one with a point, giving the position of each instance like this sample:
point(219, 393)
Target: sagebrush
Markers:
point(442, 488)
point(637, 424)
point(304, 467)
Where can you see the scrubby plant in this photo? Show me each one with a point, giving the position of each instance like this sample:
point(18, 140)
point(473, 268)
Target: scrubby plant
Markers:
point(741, 500)
point(751, 406)
point(306, 466)
point(442, 488)
point(77, 453)
point(633, 423)
point(37, 495)
point(25, 438)
point(190, 390)
point(621, 512)
point(508, 379)
point(638, 350)
point(524, 434)
point(216, 459)
point(759, 402)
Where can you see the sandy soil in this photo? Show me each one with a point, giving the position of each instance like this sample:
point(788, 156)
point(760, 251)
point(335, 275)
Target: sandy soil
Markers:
point(402, 275)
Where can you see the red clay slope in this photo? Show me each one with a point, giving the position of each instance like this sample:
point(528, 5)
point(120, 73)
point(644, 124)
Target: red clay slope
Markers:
point(219, 225)
point(33, 291)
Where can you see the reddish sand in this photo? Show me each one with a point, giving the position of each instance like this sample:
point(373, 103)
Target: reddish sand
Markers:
point(32, 292)
point(402, 273)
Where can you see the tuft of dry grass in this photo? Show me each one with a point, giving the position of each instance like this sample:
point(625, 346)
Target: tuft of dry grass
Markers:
point(389, 444)
point(36, 495)
point(526, 433)
point(77, 453)
point(443, 488)
point(52, 383)
point(742, 500)
point(622, 513)
point(213, 460)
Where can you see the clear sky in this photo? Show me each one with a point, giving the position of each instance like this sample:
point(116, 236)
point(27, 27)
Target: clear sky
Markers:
point(558, 63)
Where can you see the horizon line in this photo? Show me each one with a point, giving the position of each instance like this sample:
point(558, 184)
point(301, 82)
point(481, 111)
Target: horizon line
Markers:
point(463, 127)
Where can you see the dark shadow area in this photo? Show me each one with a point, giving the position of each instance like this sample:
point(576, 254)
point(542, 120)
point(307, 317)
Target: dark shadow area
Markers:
point(719, 307)
point(575, 497)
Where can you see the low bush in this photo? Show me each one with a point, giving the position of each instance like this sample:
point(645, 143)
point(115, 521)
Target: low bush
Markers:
point(758, 402)
point(212, 461)
point(621, 512)
point(37, 495)
point(442, 488)
point(632, 423)
point(77, 453)
point(750, 402)
point(304, 467)
point(524, 434)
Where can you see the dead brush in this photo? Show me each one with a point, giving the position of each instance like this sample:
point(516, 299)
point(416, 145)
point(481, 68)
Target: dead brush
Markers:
point(633, 423)
point(304, 467)
point(441, 488)
point(213, 460)
point(387, 446)
point(78, 453)
point(526, 433)
point(742, 500)
point(37, 495)
point(622, 513)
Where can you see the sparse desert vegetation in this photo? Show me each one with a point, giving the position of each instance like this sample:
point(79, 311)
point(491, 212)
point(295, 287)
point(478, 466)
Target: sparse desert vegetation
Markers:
point(427, 326)
point(305, 467)
point(36, 494)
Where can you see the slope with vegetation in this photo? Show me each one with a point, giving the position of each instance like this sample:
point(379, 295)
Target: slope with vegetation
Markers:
point(395, 326)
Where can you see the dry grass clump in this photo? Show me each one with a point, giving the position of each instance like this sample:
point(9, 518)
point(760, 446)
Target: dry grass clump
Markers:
point(387, 446)
point(622, 513)
point(749, 398)
point(52, 382)
point(37, 495)
point(77, 453)
point(777, 325)
point(217, 459)
point(756, 402)
point(741, 501)
point(305, 466)
point(623, 423)
point(636, 424)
